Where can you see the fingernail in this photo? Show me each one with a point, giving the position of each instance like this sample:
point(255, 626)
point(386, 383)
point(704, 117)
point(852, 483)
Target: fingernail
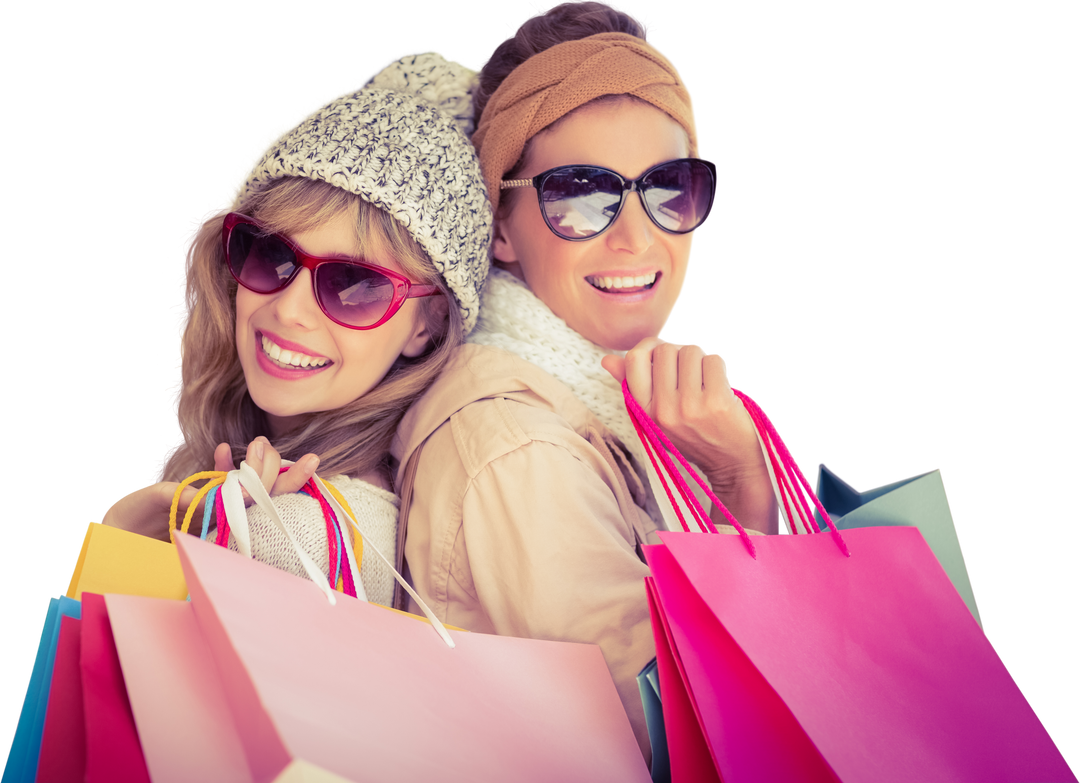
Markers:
point(259, 449)
point(313, 463)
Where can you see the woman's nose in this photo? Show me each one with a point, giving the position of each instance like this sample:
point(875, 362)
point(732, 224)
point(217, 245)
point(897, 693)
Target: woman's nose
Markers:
point(295, 304)
point(632, 230)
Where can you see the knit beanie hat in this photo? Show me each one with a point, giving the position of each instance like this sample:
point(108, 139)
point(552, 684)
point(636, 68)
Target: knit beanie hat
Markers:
point(398, 145)
point(552, 83)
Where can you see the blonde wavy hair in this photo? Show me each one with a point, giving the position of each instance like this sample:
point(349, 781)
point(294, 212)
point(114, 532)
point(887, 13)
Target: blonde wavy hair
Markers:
point(215, 406)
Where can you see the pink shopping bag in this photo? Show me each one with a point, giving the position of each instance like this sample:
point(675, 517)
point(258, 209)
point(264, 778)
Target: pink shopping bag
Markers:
point(289, 683)
point(826, 658)
point(63, 745)
point(113, 752)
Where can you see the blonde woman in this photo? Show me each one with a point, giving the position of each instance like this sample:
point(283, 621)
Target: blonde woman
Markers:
point(324, 303)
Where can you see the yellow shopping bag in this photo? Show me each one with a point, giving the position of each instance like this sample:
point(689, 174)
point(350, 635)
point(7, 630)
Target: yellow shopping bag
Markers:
point(118, 561)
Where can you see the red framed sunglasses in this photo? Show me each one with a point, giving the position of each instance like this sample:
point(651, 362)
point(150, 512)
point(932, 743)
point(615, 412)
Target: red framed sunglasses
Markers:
point(351, 292)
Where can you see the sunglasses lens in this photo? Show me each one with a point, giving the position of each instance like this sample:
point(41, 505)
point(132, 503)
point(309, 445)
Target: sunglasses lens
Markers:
point(679, 194)
point(263, 263)
point(580, 201)
point(353, 295)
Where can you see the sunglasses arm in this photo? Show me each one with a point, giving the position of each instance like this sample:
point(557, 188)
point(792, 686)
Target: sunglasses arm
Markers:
point(417, 291)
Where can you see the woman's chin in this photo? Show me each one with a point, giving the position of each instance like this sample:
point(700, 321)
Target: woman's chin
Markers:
point(616, 337)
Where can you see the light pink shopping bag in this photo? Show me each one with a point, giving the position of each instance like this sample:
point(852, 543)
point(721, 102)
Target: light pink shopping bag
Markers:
point(353, 691)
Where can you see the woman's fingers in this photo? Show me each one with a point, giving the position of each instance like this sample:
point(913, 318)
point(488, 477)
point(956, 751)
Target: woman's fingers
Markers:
point(639, 370)
point(297, 475)
point(223, 457)
point(266, 461)
point(690, 370)
point(714, 374)
point(615, 365)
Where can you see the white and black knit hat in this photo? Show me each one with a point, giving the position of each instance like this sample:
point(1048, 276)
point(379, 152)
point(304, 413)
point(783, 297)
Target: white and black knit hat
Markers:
point(401, 144)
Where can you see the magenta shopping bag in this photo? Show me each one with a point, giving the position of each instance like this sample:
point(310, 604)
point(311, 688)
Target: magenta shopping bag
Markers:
point(63, 747)
point(113, 752)
point(826, 658)
point(804, 663)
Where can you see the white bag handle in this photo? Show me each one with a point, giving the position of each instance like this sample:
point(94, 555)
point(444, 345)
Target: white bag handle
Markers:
point(236, 514)
point(435, 622)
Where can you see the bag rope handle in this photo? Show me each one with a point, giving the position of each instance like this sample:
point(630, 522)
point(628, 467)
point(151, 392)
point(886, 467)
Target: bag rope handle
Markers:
point(791, 468)
point(208, 513)
point(222, 520)
point(694, 508)
point(656, 438)
point(229, 497)
point(341, 573)
point(790, 481)
point(345, 578)
point(436, 623)
point(217, 478)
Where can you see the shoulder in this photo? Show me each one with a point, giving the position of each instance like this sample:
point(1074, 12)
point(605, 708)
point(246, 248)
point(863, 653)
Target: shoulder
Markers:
point(378, 477)
point(475, 378)
point(361, 493)
point(488, 429)
point(493, 454)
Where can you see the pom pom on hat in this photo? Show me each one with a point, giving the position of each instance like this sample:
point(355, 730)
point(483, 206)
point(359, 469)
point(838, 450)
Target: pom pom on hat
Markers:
point(446, 85)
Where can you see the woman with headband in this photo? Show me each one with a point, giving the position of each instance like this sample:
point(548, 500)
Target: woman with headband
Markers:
point(530, 492)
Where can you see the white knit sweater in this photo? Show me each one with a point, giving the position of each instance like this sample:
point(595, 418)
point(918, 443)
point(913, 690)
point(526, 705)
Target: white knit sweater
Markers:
point(376, 513)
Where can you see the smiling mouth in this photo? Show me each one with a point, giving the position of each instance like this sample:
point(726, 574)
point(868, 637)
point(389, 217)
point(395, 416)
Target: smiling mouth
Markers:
point(287, 359)
point(623, 284)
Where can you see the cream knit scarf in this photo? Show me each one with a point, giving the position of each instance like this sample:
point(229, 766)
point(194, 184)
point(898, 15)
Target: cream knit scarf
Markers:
point(513, 318)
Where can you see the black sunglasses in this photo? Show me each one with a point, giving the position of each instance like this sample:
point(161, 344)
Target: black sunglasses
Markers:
point(579, 202)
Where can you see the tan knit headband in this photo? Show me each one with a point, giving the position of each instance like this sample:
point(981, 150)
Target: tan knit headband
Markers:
point(553, 83)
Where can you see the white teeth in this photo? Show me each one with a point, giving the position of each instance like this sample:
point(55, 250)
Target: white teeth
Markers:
point(287, 358)
point(622, 282)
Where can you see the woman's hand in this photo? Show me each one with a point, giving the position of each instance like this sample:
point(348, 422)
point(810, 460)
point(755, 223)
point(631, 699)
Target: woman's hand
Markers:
point(687, 394)
point(266, 461)
point(146, 511)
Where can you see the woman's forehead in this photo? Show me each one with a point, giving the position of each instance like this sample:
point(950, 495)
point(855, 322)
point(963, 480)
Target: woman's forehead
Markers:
point(623, 134)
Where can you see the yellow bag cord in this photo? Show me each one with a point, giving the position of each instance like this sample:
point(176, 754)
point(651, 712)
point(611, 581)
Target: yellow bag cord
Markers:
point(217, 478)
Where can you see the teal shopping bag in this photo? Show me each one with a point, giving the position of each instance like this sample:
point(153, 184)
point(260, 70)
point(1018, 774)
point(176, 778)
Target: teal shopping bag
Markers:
point(22, 763)
point(648, 681)
point(919, 502)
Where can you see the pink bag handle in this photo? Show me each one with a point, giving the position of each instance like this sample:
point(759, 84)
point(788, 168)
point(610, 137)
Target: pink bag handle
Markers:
point(791, 484)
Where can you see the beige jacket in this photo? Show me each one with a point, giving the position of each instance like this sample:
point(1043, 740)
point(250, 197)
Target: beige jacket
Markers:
point(526, 516)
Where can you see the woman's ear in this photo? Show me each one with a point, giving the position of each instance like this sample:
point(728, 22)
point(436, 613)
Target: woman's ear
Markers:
point(502, 247)
point(436, 312)
point(503, 252)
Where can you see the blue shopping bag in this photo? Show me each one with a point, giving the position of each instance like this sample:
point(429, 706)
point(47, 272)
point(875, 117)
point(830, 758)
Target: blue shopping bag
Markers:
point(22, 763)
point(919, 500)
